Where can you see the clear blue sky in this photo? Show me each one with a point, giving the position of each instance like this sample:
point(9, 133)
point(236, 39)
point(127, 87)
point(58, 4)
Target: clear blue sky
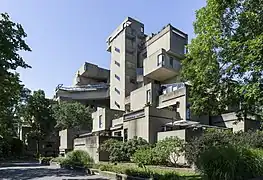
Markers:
point(63, 34)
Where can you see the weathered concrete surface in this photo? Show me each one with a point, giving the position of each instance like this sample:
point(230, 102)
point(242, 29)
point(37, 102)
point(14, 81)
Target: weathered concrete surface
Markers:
point(33, 171)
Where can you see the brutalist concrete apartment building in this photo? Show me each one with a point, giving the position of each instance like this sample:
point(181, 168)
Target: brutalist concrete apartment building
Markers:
point(141, 95)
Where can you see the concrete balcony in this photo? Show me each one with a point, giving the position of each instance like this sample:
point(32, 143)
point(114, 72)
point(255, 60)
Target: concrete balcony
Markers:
point(92, 71)
point(117, 122)
point(170, 39)
point(160, 66)
point(89, 94)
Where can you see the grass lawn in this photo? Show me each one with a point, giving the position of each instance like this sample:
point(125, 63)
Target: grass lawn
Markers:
point(133, 170)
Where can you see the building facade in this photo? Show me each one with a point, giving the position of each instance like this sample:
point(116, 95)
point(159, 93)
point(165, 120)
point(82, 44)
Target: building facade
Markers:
point(142, 94)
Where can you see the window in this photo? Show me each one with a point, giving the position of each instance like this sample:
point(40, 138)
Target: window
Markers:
point(171, 61)
point(117, 63)
point(125, 136)
point(148, 96)
point(160, 60)
point(118, 134)
point(117, 104)
point(117, 77)
point(117, 90)
point(100, 121)
point(142, 29)
point(117, 50)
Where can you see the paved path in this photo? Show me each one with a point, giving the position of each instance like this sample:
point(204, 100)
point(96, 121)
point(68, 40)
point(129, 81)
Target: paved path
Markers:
point(33, 171)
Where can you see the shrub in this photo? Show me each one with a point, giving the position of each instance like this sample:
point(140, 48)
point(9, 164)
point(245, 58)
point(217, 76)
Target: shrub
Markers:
point(160, 174)
point(230, 163)
point(215, 137)
point(77, 158)
point(168, 151)
point(144, 157)
point(122, 151)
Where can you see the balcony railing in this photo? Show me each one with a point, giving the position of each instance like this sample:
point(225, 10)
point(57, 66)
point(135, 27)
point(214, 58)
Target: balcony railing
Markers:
point(89, 87)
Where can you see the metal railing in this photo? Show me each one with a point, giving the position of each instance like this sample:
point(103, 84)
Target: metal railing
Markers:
point(88, 87)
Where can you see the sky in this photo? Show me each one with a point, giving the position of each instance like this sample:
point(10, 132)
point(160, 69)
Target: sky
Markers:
point(63, 34)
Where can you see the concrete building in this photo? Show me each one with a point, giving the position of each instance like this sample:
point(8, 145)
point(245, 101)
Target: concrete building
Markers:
point(142, 93)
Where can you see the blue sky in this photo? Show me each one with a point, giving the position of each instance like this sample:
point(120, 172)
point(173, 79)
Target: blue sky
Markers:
point(63, 34)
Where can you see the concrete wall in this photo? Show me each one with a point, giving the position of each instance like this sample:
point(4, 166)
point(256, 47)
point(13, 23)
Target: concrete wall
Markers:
point(137, 127)
point(177, 133)
point(157, 119)
point(176, 97)
point(106, 119)
point(139, 96)
point(89, 144)
point(146, 123)
point(230, 120)
point(160, 40)
point(125, 38)
point(66, 139)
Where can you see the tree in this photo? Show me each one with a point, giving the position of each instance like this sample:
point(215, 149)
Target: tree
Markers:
point(224, 63)
point(38, 113)
point(11, 43)
point(72, 115)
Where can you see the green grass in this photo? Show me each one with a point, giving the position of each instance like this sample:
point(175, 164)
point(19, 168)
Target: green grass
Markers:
point(158, 172)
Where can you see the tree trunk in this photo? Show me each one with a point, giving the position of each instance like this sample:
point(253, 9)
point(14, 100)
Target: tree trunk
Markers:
point(37, 143)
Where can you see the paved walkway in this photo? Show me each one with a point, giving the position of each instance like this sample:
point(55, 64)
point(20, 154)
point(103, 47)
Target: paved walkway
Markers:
point(34, 171)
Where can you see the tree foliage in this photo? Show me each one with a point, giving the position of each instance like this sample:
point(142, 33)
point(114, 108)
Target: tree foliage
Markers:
point(12, 42)
point(72, 115)
point(224, 63)
point(38, 114)
point(165, 152)
point(123, 151)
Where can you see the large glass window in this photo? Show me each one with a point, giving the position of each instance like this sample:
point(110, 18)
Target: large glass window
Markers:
point(160, 60)
point(148, 96)
point(100, 121)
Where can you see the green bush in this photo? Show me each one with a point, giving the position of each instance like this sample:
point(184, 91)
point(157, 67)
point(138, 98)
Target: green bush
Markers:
point(122, 151)
point(77, 158)
point(144, 157)
point(160, 174)
point(230, 163)
point(215, 137)
point(166, 152)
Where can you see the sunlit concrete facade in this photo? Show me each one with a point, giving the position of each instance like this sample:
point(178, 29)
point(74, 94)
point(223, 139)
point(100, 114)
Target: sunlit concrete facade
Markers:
point(142, 94)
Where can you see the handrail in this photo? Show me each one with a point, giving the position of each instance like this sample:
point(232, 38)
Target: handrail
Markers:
point(88, 87)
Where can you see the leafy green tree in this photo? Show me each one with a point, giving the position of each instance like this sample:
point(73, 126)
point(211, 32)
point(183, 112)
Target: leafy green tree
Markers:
point(224, 63)
point(72, 115)
point(38, 113)
point(11, 43)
